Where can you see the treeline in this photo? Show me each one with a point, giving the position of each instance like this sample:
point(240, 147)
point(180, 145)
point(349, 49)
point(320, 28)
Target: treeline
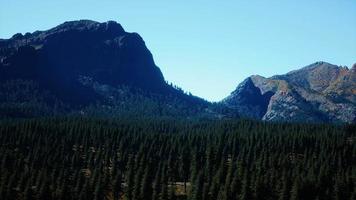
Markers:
point(27, 99)
point(169, 159)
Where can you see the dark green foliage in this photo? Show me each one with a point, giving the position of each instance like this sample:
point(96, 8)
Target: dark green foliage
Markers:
point(27, 99)
point(81, 158)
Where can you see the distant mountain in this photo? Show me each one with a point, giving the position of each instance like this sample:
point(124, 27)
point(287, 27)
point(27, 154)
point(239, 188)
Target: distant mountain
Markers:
point(320, 92)
point(98, 69)
point(86, 67)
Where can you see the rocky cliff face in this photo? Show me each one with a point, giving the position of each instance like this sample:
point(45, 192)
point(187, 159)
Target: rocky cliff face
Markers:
point(64, 58)
point(89, 68)
point(320, 92)
point(249, 99)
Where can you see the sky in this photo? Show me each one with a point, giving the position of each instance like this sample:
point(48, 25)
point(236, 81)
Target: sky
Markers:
point(209, 47)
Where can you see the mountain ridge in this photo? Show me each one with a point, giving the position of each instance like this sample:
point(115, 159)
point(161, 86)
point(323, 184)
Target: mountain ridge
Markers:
point(306, 94)
point(76, 42)
point(85, 63)
point(86, 67)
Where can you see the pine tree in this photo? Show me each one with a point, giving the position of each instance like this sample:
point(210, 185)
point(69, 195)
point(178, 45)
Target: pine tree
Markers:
point(28, 193)
point(235, 187)
point(197, 187)
point(164, 184)
point(99, 190)
point(45, 192)
point(171, 192)
point(84, 193)
point(146, 185)
point(117, 188)
point(157, 184)
point(284, 188)
point(245, 190)
point(130, 179)
point(295, 190)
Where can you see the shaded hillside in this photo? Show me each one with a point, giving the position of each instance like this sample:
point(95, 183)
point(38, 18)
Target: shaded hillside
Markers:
point(81, 65)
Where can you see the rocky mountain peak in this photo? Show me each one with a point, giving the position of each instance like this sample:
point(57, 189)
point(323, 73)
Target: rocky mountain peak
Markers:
point(248, 99)
point(85, 28)
point(89, 25)
point(317, 76)
point(59, 57)
point(320, 92)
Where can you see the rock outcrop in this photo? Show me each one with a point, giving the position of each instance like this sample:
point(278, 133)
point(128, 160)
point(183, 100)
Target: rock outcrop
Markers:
point(59, 58)
point(320, 92)
point(86, 65)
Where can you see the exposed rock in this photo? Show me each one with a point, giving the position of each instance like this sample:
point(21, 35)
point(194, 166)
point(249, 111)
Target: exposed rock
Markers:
point(320, 92)
point(249, 100)
point(57, 58)
point(89, 68)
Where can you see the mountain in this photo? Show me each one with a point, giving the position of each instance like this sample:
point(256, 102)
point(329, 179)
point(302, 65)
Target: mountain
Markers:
point(98, 69)
point(320, 92)
point(86, 67)
point(65, 57)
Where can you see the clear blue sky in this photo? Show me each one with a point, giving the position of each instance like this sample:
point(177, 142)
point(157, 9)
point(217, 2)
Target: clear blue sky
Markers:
point(208, 47)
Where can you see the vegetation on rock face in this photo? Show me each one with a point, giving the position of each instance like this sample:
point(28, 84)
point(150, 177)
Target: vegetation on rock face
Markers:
point(88, 68)
point(80, 158)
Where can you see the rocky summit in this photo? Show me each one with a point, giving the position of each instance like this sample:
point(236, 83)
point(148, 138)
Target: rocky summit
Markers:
point(65, 58)
point(320, 92)
point(81, 64)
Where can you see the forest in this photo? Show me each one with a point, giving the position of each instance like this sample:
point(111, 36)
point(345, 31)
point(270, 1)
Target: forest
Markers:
point(164, 159)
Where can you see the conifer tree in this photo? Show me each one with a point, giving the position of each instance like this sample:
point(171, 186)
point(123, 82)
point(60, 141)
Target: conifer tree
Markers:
point(146, 185)
point(245, 190)
point(295, 190)
point(197, 187)
point(117, 187)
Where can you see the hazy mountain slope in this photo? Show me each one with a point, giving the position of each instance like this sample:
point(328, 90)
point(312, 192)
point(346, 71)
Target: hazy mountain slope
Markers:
point(320, 92)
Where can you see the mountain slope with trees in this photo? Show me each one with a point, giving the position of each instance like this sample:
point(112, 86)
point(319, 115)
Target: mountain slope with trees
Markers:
point(82, 67)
